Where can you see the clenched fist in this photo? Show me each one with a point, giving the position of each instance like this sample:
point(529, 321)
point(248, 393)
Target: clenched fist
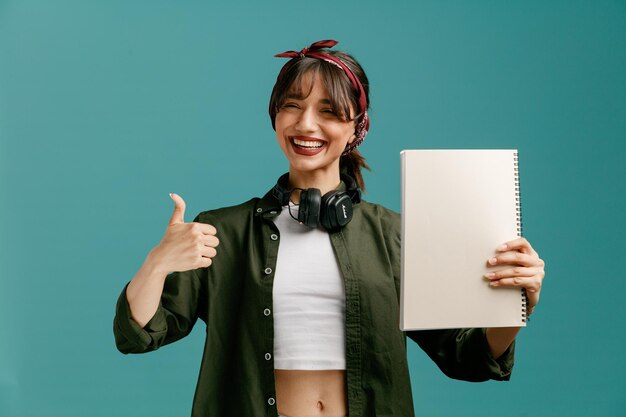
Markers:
point(184, 246)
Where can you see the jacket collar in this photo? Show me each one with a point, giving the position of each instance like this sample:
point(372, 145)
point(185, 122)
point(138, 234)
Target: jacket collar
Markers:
point(269, 203)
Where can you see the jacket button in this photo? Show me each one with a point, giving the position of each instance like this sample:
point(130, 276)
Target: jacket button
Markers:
point(267, 312)
point(271, 401)
point(268, 271)
point(274, 236)
point(268, 356)
point(259, 210)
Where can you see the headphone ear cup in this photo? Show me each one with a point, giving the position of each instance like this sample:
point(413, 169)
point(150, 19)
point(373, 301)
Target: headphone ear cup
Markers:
point(326, 212)
point(336, 210)
point(309, 210)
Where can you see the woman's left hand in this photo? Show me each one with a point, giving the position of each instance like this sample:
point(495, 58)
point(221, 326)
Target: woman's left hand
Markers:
point(526, 271)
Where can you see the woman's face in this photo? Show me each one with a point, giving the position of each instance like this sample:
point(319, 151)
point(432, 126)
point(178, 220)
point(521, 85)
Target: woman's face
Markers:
point(309, 133)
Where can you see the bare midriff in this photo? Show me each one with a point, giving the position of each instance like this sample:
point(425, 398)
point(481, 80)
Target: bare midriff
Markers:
point(302, 393)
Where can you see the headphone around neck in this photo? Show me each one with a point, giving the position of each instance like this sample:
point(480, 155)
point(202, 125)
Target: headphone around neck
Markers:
point(332, 211)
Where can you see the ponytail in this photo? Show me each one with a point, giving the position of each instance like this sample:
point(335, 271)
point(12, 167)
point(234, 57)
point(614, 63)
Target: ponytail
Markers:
point(351, 164)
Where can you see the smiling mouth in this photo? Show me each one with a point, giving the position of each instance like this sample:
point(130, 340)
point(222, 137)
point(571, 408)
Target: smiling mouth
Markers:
point(307, 143)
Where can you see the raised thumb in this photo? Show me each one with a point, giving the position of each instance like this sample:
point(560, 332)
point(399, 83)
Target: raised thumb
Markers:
point(179, 210)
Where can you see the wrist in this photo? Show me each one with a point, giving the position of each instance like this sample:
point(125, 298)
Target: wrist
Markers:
point(152, 265)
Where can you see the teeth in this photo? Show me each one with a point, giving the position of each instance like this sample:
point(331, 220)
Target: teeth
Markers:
point(308, 143)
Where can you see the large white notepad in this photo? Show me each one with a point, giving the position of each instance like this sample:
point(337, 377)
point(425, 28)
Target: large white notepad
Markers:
point(457, 207)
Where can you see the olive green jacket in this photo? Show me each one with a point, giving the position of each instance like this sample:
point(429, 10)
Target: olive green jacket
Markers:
point(234, 298)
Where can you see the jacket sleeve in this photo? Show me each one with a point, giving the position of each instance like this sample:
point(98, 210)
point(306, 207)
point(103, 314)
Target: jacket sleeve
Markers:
point(464, 354)
point(183, 300)
point(459, 353)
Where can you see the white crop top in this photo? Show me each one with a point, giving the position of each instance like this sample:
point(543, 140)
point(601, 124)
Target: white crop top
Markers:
point(309, 299)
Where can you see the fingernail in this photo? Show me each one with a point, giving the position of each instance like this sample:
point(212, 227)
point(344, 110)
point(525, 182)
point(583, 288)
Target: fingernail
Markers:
point(490, 275)
point(493, 283)
point(493, 261)
point(502, 247)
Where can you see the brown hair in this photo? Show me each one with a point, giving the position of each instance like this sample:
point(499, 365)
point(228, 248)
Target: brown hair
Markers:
point(343, 97)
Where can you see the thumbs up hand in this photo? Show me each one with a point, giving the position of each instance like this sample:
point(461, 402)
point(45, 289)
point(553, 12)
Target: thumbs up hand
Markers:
point(184, 246)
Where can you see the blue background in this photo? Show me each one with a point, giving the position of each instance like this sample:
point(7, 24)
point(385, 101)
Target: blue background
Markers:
point(106, 107)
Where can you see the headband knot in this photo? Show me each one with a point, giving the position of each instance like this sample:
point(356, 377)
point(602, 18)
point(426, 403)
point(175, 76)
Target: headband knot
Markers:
point(315, 50)
point(308, 51)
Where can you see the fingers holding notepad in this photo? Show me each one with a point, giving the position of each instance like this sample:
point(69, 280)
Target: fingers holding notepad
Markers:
point(527, 269)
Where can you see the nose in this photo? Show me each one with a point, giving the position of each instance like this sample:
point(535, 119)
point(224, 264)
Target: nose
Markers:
point(307, 121)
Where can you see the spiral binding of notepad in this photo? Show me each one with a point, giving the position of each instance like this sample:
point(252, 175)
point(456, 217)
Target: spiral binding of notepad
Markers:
point(518, 210)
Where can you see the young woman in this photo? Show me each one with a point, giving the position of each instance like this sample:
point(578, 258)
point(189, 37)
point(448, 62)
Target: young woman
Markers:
point(301, 304)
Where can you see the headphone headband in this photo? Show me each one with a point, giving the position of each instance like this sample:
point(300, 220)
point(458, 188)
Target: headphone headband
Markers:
point(282, 192)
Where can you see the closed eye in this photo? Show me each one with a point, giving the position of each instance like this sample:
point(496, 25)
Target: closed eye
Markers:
point(331, 113)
